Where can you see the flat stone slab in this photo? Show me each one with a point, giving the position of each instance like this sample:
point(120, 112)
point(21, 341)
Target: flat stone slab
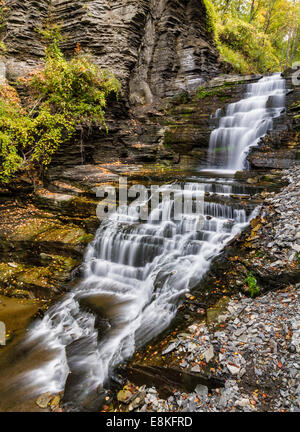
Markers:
point(56, 197)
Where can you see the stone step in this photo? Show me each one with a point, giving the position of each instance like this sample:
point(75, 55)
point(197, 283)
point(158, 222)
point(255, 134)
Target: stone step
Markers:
point(61, 187)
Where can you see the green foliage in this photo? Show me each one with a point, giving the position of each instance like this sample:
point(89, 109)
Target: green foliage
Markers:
point(254, 289)
point(211, 18)
point(221, 91)
point(247, 48)
point(13, 139)
point(76, 88)
point(49, 132)
point(26, 140)
point(256, 36)
point(52, 37)
point(65, 94)
point(203, 93)
point(3, 14)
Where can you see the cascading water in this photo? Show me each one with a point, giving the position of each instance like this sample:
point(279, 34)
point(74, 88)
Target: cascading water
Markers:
point(137, 273)
point(246, 122)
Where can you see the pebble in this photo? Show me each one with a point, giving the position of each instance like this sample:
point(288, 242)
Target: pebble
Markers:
point(44, 400)
point(202, 391)
point(209, 354)
point(243, 402)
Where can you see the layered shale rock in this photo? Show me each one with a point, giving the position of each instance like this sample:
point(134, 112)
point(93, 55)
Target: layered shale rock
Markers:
point(156, 47)
point(176, 52)
point(279, 149)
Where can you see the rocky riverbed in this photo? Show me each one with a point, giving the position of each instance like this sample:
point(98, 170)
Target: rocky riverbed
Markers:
point(276, 232)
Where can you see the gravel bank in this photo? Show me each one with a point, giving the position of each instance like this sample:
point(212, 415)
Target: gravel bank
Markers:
point(255, 347)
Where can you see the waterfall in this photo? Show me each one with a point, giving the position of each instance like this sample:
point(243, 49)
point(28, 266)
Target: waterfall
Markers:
point(246, 122)
point(136, 273)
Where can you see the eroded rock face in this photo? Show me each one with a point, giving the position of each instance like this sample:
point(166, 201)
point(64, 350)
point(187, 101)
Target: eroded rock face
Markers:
point(155, 47)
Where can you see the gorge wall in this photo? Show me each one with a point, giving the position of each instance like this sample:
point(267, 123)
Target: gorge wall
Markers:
point(155, 47)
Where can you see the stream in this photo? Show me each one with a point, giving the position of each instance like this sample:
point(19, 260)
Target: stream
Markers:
point(137, 273)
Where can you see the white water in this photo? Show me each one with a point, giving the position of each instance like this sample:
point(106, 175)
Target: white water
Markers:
point(246, 122)
point(137, 273)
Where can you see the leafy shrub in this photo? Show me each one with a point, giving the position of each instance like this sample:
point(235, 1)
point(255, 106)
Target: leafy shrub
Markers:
point(3, 14)
point(64, 95)
point(26, 140)
point(13, 132)
point(252, 40)
point(76, 88)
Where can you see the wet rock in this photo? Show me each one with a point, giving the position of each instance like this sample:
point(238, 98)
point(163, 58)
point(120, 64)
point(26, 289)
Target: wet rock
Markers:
point(93, 402)
point(139, 399)
point(234, 370)
point(54, 403)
